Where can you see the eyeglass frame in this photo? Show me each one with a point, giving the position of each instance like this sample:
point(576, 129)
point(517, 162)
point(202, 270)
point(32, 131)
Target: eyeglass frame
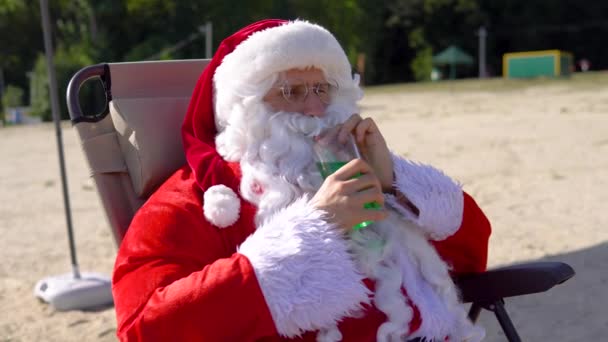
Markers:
point(315, 89)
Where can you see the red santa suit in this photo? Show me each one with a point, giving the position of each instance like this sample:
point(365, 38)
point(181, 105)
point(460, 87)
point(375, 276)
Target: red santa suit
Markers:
point(196, 266)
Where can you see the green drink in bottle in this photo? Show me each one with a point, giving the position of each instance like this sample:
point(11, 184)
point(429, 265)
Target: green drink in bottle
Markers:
point(331, 156)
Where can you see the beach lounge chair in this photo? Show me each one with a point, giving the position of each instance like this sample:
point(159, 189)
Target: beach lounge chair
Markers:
point(135, 144)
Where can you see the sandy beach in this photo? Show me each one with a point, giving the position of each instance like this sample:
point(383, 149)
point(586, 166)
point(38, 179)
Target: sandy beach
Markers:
point(535, 157)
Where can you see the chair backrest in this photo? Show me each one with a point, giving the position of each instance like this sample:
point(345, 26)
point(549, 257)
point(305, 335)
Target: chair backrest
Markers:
point(135, 144)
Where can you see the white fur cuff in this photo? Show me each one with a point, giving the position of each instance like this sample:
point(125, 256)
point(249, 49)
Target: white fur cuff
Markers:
point(305, 271)
point(438, 198)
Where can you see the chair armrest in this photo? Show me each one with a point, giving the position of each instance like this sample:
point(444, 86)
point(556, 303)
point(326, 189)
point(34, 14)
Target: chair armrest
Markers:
point(511, 281)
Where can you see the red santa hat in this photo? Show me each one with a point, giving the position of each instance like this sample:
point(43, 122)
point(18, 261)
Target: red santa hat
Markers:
point(247, 57)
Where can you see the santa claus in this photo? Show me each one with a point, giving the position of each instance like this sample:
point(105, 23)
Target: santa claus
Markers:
point(247, 242)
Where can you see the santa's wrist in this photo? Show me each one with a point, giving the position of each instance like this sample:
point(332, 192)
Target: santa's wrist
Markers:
point(389, 189)
point(405, 202)
point(387, 181)
point(427, 197)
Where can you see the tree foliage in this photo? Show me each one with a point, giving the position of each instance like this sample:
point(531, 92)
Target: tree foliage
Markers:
point(67, 60)
point(398, 37)
point(12, 97)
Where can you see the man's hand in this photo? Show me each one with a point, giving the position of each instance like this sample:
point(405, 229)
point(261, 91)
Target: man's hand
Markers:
point(343, 194)
point(372, 146)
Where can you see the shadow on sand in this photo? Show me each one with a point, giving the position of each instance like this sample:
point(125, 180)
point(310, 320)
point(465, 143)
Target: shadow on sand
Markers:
point(576, 310)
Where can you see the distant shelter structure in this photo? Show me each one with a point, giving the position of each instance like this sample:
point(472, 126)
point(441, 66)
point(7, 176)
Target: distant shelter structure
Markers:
point(528, 64)
point(453, 56)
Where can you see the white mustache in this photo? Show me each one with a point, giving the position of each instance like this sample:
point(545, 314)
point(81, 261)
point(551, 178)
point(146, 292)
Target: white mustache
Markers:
point(306, 125)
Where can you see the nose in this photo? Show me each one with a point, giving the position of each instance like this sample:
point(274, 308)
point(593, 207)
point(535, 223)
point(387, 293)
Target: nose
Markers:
point(313, 106)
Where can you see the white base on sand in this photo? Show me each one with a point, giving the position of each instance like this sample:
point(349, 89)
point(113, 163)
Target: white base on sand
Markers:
point(65, 292)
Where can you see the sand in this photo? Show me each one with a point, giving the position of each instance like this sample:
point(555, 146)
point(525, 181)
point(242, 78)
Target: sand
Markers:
point(535, 158)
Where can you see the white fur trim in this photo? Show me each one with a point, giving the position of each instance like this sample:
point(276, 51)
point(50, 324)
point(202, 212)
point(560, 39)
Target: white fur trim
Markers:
point(438, 198)
point(396, 253)
point(221, 206)
point(296, 44)
point(305, 270)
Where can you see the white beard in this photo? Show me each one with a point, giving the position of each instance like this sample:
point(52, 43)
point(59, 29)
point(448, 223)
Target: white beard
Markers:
point(396, 254)
point(276, 156)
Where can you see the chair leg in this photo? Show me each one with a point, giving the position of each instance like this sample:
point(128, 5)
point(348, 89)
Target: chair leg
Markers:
point(505, 321)
point(474, 312)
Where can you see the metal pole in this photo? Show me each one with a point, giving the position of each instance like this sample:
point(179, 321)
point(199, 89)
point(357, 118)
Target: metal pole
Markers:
point(482, 33)
point(208, 39)
point(48, 48)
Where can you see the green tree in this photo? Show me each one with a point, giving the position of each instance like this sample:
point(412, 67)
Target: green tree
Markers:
point(12, 97)
point(422, 64)
point(427, 26)
point(579, 27)
point(39, 97)
point(396, 36)
point(20, 39)
point(67, 62)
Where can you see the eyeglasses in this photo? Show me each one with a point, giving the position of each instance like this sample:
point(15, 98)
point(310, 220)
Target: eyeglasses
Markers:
point(298, 92)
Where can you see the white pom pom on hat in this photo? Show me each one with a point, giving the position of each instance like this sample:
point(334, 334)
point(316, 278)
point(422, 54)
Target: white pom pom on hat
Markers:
point(221, 206)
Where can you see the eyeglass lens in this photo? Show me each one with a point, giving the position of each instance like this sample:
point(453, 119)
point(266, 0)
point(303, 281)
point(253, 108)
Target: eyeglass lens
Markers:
point(298, 92)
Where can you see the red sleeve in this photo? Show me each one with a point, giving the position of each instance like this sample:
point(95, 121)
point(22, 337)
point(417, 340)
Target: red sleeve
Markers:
point(177, 278)
point(467, 250)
